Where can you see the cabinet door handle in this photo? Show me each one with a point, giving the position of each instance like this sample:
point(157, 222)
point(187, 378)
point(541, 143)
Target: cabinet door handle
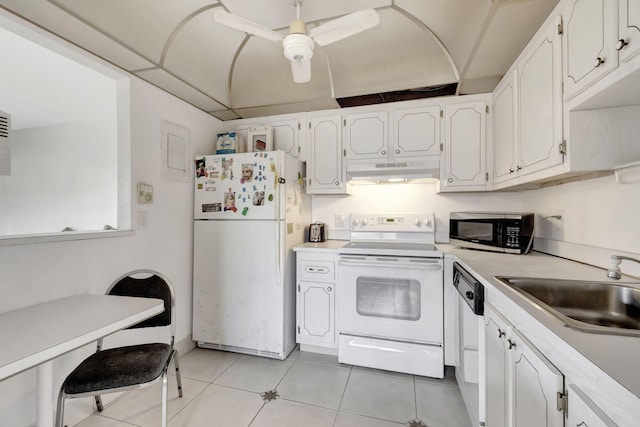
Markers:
point(510, 344)
point(500, 333)
point(621, 44)
point(397, 151)
point(518, 167)
point(384, 152)
point(450, 180)
point(337, 182)
point(599, 61)
point(511, 171)
point(329, 288)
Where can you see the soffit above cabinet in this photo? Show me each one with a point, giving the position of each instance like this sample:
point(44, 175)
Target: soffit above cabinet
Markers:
point(177, 46)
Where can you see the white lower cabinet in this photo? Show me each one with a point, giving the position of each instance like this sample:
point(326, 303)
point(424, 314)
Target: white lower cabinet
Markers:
point(523, 389)
point(583, 412)
point(315, 302)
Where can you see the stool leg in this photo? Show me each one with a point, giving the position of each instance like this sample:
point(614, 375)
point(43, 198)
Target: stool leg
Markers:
point(99, 402)
point(60, 410)
point(164, 400)
point(176, 362)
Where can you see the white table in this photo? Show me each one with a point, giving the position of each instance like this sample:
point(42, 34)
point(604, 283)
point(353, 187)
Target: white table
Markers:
point(33, 336)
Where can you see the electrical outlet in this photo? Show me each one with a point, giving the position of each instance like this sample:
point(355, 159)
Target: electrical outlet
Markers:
point(558, 223)
point(143, 220)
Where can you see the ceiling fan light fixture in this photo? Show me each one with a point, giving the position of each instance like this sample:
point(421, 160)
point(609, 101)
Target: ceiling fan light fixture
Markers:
point(298, 27)
point(298, 47)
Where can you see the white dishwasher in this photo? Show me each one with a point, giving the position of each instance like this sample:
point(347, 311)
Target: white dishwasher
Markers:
point(470, 361)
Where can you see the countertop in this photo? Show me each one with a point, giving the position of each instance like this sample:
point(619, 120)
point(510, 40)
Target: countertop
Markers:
point(329, 245)
point(617, 356)
point(606, 367)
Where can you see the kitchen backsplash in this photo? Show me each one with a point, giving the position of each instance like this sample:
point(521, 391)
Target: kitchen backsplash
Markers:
point(599, 216)
point(335, 210)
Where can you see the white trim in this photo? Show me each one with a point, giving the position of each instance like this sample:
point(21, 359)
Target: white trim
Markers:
point(27, 239)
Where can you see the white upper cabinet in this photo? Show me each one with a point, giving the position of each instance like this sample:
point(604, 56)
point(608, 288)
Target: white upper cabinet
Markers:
point(325, 165)
point(416, 131)
point(463, 163)
point(288, 132)
point(539, 93)
point(528, 111)
point(366, 135)
point(505, 114)
point(413, 132)
point(590, 35)
point(628, 43)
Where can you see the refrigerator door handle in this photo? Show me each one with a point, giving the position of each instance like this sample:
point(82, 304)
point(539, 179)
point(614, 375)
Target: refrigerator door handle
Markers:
point(278, 254)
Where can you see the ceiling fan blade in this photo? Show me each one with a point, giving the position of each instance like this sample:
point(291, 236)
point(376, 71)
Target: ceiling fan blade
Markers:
point(344, 26)
point(239, 23)
point(301, 71)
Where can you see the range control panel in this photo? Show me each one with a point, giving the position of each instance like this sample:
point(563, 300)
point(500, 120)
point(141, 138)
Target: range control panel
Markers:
point(399, 222)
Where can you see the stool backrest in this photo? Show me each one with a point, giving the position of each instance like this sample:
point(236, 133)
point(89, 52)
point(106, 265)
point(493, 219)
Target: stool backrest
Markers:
point(154, 285)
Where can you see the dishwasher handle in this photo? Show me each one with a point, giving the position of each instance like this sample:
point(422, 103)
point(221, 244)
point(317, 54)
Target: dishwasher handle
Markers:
point(469, 288)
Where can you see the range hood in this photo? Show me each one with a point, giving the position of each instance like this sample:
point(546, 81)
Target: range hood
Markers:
point(417, 169)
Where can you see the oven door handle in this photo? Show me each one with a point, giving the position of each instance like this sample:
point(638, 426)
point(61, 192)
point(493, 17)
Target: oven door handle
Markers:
point(420, 265)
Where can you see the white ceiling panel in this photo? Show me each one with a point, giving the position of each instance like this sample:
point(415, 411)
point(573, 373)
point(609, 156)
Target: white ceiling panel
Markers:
point(278, 14)
point(202, 53)
point(144, 26)
point(177, 46)
point(372, 61)
point(513, 25)
point(180, 89)
point(456, 23)
point(311, 105)
point(225, 114)
point(479, 85)
point(69, 28)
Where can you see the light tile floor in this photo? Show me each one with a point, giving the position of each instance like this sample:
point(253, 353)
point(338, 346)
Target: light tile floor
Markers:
point(312, 390)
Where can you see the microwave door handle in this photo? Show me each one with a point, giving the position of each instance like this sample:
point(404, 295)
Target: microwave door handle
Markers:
point(428, 267)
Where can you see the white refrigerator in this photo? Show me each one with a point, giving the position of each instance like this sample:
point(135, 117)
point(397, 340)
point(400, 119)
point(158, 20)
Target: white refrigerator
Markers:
point(250, 211)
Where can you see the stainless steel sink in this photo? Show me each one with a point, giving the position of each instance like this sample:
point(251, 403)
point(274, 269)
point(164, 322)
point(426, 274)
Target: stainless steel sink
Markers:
point(597, 307)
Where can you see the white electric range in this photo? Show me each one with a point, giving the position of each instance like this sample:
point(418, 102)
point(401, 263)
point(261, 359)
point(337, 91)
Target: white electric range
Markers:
point(390, 294)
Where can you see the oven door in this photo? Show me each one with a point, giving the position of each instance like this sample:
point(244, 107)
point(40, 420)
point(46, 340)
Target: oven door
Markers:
point(399, 298)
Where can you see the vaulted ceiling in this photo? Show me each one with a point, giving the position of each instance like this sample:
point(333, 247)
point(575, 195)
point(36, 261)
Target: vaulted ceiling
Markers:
point(177, 46)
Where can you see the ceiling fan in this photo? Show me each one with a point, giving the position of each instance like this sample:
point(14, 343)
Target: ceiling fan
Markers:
point(298, 44)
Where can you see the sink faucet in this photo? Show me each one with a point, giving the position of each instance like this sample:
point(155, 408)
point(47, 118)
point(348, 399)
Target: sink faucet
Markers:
point(614, 271)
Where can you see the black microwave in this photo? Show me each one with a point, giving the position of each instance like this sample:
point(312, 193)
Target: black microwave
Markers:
point(491, 231)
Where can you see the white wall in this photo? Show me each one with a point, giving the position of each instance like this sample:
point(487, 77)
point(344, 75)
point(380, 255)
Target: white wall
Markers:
point(39, 272)
point(600, 218)
point(62, 176)
point(407, 198)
